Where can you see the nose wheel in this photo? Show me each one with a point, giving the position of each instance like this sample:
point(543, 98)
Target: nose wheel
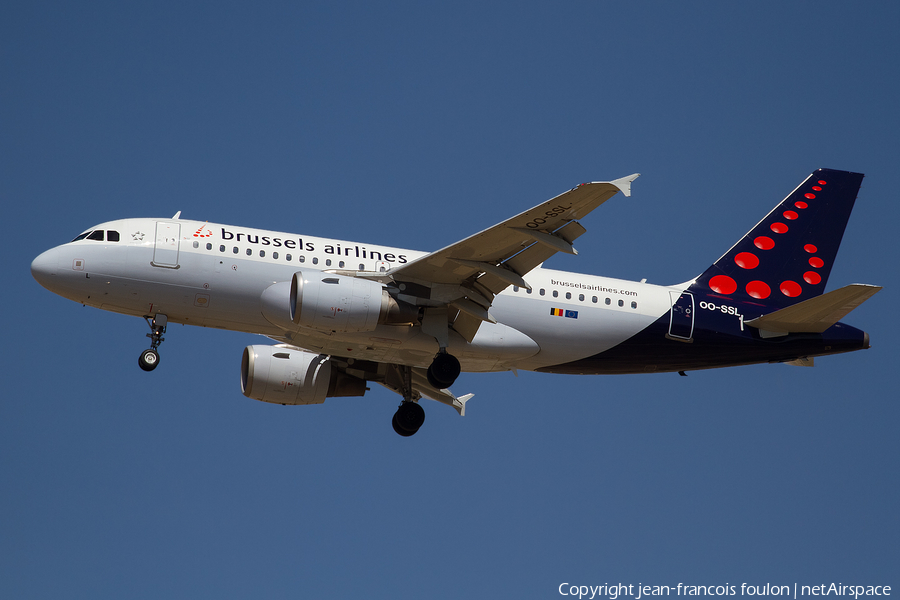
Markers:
point(149, 359)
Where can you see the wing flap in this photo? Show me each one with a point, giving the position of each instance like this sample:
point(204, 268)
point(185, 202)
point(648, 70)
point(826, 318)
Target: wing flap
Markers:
point(816, 314)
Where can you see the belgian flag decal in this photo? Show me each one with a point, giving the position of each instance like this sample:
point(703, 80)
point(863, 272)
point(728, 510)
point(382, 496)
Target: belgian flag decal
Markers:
point(558, 312)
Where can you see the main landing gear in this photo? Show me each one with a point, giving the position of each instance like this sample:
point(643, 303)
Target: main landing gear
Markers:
point(408, 418)
point(149, 358)
point(443, 370)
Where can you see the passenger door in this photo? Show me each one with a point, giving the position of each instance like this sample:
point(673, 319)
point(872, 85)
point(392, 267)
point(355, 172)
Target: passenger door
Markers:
point(165, 250)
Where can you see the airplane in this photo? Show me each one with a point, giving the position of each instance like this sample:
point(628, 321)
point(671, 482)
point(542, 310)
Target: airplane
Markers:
point(343, 314)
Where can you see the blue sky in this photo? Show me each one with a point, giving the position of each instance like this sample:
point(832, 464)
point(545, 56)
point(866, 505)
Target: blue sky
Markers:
point(416, 125)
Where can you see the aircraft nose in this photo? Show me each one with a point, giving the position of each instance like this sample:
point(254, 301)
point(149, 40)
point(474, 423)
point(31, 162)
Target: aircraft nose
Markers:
point(44, 267)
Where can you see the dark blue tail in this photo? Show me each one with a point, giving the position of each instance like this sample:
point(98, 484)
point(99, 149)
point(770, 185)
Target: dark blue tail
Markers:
point(788, 256)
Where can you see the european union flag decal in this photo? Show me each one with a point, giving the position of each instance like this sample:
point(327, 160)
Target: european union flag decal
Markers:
point(558, 312)
point(572, 314)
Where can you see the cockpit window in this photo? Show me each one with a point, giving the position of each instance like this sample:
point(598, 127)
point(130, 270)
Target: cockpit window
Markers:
point(96, 235)
point(82, 236)
point(112, 236)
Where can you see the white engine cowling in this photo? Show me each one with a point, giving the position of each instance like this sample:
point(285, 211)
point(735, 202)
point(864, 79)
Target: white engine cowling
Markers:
point(288, 376)
point(285, 376)
point(330, 302)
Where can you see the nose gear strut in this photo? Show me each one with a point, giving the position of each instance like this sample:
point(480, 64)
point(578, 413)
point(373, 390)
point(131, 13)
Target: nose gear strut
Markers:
point(149, 358)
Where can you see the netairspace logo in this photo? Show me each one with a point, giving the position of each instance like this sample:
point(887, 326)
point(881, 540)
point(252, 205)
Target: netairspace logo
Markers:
point(640, 591)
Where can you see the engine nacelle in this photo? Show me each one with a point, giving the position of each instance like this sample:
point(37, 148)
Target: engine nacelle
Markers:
point(287, 376)
point(333, 303)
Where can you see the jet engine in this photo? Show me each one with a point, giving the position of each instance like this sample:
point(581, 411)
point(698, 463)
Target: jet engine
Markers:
point(288, 376)
point(333, 303)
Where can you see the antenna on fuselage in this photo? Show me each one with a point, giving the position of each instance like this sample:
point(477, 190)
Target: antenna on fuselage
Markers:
point(177, 215)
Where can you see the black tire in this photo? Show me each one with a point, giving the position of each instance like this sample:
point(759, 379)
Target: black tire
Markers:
point(443, 371)
point(400, 431)
point(409, 417)
point(148, 360)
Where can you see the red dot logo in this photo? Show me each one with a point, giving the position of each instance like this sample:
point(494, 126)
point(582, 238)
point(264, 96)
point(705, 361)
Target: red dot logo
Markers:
point(800, 204)
point(746, 260)
point(791, 289)
point(817, 262)
point(722, 284)
point(821, 182)
point(810, 248)
point(779, 227)
point(817, 188)
point(812, 277)
point(809, 196)
point(790, 215)
point(764, 243)
point(758, 290)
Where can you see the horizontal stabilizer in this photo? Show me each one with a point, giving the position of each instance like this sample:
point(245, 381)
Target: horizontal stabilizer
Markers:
point(816, 314)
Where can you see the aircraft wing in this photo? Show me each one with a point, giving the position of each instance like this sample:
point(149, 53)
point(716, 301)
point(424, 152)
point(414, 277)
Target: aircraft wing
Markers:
point(468, 274)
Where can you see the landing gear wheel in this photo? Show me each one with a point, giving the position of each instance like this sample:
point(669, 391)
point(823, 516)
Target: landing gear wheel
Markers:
point(443, 371)
point(399, 431)
point(408, 418)
point(148, 359)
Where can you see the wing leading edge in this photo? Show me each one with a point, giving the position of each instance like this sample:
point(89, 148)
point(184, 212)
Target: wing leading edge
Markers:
point(466, 276)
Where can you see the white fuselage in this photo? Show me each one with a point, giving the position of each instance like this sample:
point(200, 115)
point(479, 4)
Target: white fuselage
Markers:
point(213, 275)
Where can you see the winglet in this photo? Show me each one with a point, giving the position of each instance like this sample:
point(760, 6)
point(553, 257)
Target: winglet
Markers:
point(460, 403)
point(624, 184)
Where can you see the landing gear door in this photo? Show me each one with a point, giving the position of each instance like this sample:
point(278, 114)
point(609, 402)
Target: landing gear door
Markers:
point(681, 317)
point(165, 250)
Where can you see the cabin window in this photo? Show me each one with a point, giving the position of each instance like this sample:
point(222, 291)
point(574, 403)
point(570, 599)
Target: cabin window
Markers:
point(262, 253)
point(543, 292)
point(634, 305)
point(528, 291)
point(235, 250)
point(341, 265)
point(112, 236)
point(315, 260)
point(275, 255)
point(327, 262)
point(249, 252)
point(287, 257)
point(568, 295)
point(594, 299)
point(196, 244)
point(362, 267)
point(608, 301)
point(581, 297)
point(621, 303)
point(555, 294)
point(208, 246)
point(301, 259)
point(97, 236)
point(515, 288)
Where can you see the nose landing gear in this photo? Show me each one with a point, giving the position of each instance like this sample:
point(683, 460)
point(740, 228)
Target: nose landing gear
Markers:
point(149, 359)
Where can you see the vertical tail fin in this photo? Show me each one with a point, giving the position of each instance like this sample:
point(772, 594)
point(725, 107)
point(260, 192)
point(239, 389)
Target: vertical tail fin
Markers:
point(788, 256)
